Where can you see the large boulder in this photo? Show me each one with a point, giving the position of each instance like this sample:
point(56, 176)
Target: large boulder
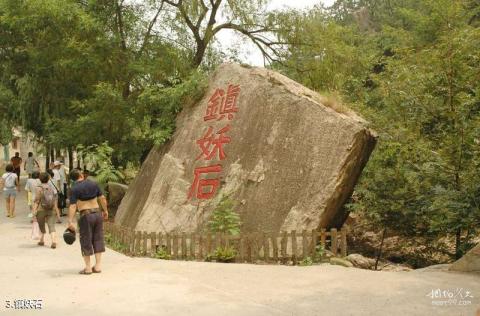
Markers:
point(470, 262)
point(286, 156)
point(116, 192)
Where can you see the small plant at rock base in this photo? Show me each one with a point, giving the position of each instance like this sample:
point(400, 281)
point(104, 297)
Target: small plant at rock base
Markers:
point(115, 245)
point(319, 253)
point(224, 219)
point(161, 253)
point(306, 262)
point(223, 254)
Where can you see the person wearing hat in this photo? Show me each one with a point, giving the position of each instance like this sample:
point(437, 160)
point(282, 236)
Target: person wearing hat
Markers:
point(85, 198)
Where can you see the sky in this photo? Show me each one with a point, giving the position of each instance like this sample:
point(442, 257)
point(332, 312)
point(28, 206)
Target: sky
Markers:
point(297, 4)
point(248, 52)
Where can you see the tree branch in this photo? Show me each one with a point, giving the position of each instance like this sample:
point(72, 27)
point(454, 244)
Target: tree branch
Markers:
point(118, 9)
point(149, 30)
point(202, 15)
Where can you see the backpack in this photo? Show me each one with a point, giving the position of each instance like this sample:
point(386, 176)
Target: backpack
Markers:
point(48, 198)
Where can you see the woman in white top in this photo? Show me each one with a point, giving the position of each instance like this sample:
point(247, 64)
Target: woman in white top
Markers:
point(31, 187)
point(11, 185)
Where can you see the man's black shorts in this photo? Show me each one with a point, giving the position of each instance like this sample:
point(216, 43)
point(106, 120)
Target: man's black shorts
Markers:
point(91, 233)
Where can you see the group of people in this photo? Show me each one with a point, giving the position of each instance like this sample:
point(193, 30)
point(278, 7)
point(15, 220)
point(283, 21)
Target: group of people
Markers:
point(46, 195)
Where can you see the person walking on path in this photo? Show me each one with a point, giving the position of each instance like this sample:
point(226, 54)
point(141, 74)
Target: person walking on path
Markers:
point(54, 187)
point(29, 165)
point(64, 179)
point(60, 178)
point(31, 187)
point(85, 197)
point(11, 184)
point(44, 208)
point(17, 163)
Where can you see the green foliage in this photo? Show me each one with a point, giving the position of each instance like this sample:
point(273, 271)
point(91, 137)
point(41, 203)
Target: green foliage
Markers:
point(223, 254)
point(160, 105)
point(224, 219)
point(161, 253)
point(316, 258)
point(115, 245)
point(411, 68)
point(306, 262)
point(98, 159)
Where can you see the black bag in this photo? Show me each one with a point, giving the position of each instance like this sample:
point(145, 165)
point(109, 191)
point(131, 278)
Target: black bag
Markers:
point(61, 202)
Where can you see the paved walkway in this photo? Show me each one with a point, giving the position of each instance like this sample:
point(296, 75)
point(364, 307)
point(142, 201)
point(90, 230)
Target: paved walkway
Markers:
point(141, 286)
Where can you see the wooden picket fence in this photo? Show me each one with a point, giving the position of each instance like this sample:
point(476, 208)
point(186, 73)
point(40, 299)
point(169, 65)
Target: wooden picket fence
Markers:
point(268, 247)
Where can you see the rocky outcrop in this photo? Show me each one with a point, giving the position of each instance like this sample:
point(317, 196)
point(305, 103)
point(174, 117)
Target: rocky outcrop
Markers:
point(360, 261)
point(341, 262)
point(469, 262)
point(116, 192)
point(285, 155)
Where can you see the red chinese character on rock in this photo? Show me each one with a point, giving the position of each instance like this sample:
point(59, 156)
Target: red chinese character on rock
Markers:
point(199, 185)
point(208, 140)
point(214, 105)
point(230, 105)
point(221, 104)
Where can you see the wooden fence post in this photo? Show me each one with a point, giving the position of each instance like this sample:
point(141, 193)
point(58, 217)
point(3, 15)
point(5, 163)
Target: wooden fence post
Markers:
point(294, 247)
point(241, 248)
point(132, 242)
point(343, 244)
point(283, 247)
point(248, 240)
point(138, 239)
point(304, 244)
point(261, 242)
point(175, 246)
point(145, 243)
point(200, 246)
point(313, 249)
point(334, 242)
point(275, 247)
point(122, 235)
point(266, 247)
point(169, 245)
point(255, 247)
point(159, 242)
point(192, 246)
point(209, 244)
point(153, 243)
point(184, 246)
point(323, 236)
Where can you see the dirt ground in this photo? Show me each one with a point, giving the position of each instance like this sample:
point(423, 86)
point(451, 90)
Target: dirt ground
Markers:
point(142, 286)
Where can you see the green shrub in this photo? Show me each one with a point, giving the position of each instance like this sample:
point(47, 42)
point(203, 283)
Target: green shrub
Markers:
point(222, 254)
point(224, 219)
point(306, 262)
point(161, 253)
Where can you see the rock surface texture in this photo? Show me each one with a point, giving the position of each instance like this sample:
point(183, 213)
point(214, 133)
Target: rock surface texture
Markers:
point(287, 158)
point(116, 192)
point(469, 262)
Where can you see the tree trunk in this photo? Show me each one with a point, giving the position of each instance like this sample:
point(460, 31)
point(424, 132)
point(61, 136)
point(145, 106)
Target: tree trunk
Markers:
point(458, 243)
point(52, 154)
point(379, 254)
point(47, 159)
point(70, 158)
point(197, 60)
